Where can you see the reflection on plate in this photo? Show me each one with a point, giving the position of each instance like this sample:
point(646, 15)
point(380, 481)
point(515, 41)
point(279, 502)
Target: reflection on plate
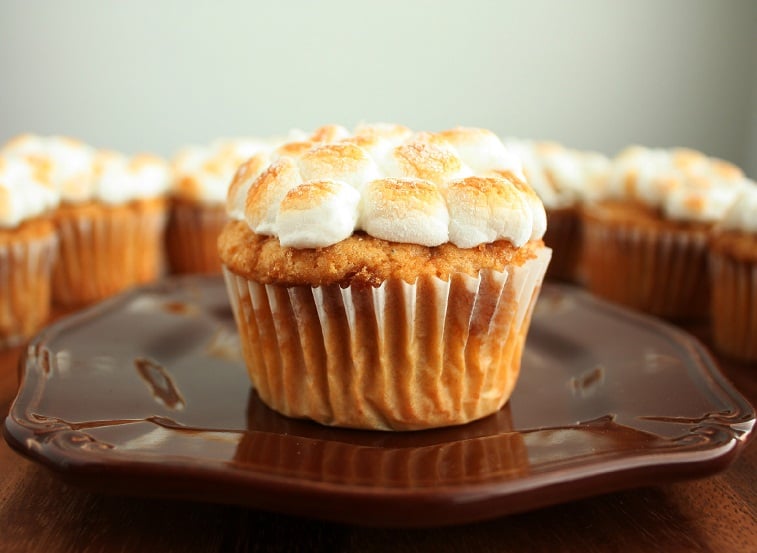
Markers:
point(147, 395)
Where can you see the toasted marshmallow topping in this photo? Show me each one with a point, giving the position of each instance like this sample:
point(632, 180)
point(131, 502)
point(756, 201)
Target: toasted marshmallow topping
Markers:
point(561, 176)
point(79, 173)
point(266, 193)
point(461, 186)
point(483, 151)
point(23, 193)
point(405, 210)
point(317, 211)
point(380, 141)
point(684, 184)
point(203, 173)
point(427, 158)
point(66, 164)
point(483, 208)
point(344, 162)
point(702, 200)
point(120, 179)
point(243, 179)
point(742, 214)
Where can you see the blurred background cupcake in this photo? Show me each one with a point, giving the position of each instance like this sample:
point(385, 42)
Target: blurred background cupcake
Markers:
point(110, 219)
point(27, 249)
point(565, 179)
point(201, 179)
point(646, 241)
point(733, 274)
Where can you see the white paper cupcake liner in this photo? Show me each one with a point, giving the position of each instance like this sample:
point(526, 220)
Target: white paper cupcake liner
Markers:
point(25, 269)
point(192, 238)
point(734, 306)
point(104, 254)
point(659, 271)
point(400, 356)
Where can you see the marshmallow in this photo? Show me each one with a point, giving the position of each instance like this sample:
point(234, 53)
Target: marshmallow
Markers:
point(317, 214)
point(80, 173)
point(425, 158)
point(203, 173)
point(536, 207)
point(23, 195)
point(120, 179)
point(742, 215)
point(266, 192)
point(293, 149)
point(405, 210)
point(241, 183)
point(344, 162)
point(483, 151)
point(684, 184)
point(392, 133)
point(65, 163)
point(561, 176)
point(329, 133)
point(486, 209)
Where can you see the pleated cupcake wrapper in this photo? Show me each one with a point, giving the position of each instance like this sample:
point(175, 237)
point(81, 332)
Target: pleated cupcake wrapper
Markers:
point(564, 237)
point(734, 306)
point(192, 238)
point(400, 356)
point(104, 254)
point(25, 272)
point(659, 271)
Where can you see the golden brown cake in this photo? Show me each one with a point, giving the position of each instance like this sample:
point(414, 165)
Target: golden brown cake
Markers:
point(385, 279)
point(111, 218)
point(733, 274)
point(645, 243)
point(199, 191)
point(27, 250)
point(565, 179)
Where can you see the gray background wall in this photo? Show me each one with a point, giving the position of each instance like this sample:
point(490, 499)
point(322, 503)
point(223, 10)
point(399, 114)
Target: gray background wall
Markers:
point(154, 75)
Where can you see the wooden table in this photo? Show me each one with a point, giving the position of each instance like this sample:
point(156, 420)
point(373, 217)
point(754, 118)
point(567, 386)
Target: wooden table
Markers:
point(40, 513)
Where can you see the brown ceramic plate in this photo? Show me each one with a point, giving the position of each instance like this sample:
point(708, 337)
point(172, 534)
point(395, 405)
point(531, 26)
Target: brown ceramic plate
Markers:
point(147, 395)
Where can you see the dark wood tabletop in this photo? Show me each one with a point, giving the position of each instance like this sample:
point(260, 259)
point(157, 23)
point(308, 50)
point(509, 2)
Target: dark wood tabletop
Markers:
point(38, 512)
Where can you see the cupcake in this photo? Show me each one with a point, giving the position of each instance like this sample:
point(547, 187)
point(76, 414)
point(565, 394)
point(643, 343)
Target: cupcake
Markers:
point(384, 279)
point(645, 242)
point(111, 218)
point(565, 180)
point(733, 277)
point(27, 250)
point(199, 191)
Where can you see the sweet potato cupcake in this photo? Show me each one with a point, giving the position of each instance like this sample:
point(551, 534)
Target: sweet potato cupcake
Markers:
point(111, 218)
point(733, 274)
point(385, 279)
point(565, 179)
point(645, 243)
point(197, 216)
point(27, 250)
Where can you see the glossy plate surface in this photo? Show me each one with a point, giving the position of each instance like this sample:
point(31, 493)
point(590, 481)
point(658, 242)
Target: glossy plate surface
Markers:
point(147, 395)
